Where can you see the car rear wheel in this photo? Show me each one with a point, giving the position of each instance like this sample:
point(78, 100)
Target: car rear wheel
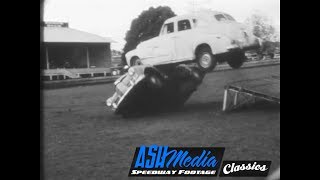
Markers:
point(205, 60)
point(236, 60)
point(135, 61)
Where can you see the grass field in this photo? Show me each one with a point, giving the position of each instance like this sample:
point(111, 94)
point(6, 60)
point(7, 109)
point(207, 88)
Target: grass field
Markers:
point(85, 140)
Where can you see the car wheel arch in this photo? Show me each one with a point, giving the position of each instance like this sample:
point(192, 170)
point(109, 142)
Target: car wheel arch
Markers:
point(133, 58)
point(152, 71)
point(202, 46)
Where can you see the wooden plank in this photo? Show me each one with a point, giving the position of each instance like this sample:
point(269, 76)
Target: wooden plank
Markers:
point(47, 58)
point(255, 93)
point(88, 58)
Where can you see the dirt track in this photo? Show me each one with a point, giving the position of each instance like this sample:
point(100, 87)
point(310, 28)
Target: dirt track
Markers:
point(84, 140)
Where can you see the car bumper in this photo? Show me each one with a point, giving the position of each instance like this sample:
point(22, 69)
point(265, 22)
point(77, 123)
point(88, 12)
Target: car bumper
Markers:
point(122, 87)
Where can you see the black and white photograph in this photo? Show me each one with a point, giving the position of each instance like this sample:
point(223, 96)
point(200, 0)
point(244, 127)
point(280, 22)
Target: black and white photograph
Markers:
point(160, 89)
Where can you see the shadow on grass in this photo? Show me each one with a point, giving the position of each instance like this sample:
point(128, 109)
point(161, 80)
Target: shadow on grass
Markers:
point(172, 110)
point(265, 106)
point(260, 105)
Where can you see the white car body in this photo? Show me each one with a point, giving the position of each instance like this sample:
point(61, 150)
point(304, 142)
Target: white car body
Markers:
point(216, 29)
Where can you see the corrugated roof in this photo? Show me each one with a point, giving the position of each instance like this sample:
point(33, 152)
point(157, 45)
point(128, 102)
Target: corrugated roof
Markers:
point(69, 35)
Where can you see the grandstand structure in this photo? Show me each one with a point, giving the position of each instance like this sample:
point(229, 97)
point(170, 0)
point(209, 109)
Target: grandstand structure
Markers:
point(71, 53)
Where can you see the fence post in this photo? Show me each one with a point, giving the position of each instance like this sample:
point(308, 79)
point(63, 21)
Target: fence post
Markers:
point(225, 96)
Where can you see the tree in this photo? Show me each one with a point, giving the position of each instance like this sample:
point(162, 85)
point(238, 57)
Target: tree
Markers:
point(261, 26)
point(146, 26)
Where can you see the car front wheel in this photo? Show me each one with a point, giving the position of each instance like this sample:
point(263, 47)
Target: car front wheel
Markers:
point(155, 82)
point(205, 60)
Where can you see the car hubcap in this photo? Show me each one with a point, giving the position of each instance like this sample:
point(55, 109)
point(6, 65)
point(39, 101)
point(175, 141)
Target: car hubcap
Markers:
point(155, 81)
point(137, 62)
point(205, 60)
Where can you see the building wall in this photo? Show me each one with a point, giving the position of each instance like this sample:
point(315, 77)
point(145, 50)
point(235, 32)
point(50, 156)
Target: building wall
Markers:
point(75, 55)
point(100, 56)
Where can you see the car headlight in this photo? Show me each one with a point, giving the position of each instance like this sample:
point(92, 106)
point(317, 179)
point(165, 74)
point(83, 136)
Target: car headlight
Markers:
point(131, 71)
point(126, 67)
point(109, 102)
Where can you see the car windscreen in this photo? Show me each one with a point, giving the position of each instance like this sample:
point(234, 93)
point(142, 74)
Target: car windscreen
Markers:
point(220, 17)
point(224, 17)
point(229, 17)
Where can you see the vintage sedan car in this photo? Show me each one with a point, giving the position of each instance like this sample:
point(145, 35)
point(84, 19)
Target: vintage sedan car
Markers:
point(205, 37)
point(146, 89)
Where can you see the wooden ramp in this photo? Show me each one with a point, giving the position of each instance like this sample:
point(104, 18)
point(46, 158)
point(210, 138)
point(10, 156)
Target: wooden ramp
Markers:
point(245, 91)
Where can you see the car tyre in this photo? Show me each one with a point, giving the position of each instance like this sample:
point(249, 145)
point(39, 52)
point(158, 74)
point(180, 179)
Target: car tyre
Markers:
point(155, 82)
point(236, 60)
point(205, 60)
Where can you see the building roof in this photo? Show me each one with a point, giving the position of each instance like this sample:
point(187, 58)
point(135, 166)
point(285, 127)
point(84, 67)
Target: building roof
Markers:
point(69, 35)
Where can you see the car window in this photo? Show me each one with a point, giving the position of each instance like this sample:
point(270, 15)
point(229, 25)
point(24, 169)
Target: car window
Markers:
point(168, 28)
point(195, 22)
point(184, 25)
point(229, 17)
point(220, 17)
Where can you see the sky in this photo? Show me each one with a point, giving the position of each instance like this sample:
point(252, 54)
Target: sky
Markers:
point(112, 18)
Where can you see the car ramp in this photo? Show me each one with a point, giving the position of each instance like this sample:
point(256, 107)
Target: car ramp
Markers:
point(245, 91)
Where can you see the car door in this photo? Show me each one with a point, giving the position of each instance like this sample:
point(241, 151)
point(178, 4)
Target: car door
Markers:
point(145, 49)
point(183, 40)
point(163, 46)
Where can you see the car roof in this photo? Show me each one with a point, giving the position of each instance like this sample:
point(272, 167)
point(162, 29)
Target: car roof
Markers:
point(199, 14)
